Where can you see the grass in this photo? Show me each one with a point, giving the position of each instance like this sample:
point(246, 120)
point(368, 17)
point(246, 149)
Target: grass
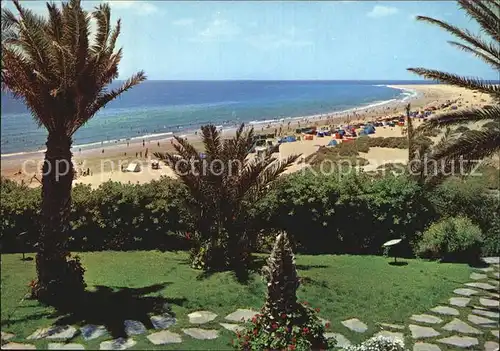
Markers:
point(130, 285)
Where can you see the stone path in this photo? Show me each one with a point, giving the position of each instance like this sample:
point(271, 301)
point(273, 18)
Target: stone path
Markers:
point(471, 320)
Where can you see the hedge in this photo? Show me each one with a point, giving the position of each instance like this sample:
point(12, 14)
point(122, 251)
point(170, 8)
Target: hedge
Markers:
point(352, 214)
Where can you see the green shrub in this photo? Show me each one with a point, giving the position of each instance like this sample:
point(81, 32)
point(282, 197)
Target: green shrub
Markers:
point(451, 239)
point(114, 216)
point(346, 214)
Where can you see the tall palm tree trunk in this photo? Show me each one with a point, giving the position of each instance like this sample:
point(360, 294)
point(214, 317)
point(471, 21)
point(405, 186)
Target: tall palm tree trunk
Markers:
point(58, 275)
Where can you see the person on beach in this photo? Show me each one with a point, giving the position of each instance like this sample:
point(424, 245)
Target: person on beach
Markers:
point(146, 154)
point(158, 143)
point(128, 143)
point(143, 143)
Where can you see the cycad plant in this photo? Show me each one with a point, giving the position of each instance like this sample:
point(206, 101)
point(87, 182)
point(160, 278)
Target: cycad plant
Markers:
point(482, 143)
point(52, 64)
point(223, 182)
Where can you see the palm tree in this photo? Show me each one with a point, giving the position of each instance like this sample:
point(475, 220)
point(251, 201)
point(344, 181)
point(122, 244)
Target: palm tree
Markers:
point(62, 75)
point(223, 183)
point(476, 144)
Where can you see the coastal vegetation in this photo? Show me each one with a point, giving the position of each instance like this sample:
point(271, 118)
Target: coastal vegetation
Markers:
point(62, 75)
point(485, 142)
point(341, 213)
point(223, 183)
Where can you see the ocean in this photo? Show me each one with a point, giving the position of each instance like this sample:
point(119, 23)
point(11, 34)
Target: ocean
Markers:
point(157, 109)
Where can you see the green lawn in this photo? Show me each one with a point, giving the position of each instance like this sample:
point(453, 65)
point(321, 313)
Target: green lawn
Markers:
point(130, 285)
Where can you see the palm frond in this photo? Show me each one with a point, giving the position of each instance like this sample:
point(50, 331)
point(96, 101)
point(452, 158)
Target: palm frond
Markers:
point(472, 145)
point(465, 35)
point(461, 117)
point(484, 13)
point(453, 79)
point(492, 61)
point(107, 96)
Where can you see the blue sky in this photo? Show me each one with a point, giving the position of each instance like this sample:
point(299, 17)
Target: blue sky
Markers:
point(287, 40)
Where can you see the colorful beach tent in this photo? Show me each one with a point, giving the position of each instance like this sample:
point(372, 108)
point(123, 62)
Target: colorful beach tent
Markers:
point(289, 139)
point(332, 142)
point(133, 167)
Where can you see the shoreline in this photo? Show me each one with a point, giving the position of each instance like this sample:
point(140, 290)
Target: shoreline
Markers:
point(230, 127)
point(102, 160)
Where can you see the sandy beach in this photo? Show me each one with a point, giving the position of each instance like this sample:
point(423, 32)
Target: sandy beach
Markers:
point(105, 162)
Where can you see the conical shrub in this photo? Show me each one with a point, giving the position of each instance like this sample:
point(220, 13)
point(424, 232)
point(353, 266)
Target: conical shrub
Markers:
point(284, 323)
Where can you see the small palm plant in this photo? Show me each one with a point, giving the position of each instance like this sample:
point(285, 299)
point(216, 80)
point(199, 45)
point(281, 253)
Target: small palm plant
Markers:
point(475, 144)
point(53, 66)
point(223, 182)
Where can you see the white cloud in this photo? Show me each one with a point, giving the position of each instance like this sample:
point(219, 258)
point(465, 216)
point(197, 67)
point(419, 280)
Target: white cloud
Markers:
point(382, 11)
point(217, 30)
point(137, 7)
point(183, 22)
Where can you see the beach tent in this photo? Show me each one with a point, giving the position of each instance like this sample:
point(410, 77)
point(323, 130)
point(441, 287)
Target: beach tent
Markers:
point(133, 167)
point(332, 142)
point(289, 139)
point(362, 132)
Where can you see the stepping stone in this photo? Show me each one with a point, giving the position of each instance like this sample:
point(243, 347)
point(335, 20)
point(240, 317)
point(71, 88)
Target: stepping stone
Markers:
point(459, 341)
point(445, 310)
point(496, 333)
point(422, 346)
point(201, 317)
point(484, 286)
point(480, 320)
point(7, 336)
point(495, 295)
point(459, 301)
point(465, 292)
point(418, 332)
point(392, 326)
point(461, 327)
point(91, 331)
point(134, 327)
point(490, 346)
point(341, 340)
point(17, 346)
point(478, 276)
point(485, 312)
point(241, 314)
point(355, 325)
point(496, 275)
point(201, 334)
point(489, 302)
point(117, 344)
point(493, 282)
point(164, 337)
point(53, 332)
point(426, 318)
point(163, 321)
point(491, 260)
point(485, 270)
point(391, 335)
point(57, 346)
point(232, 327)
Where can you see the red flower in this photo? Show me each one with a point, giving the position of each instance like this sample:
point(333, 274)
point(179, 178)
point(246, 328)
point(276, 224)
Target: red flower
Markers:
point(255, 331)
point(306, 303)
point(283, 315)
point(254, 319)
point(188, 235)
point(305, 330)
point(317, 309)
point(274, 326)
point(291, 347)
point(327, 325)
